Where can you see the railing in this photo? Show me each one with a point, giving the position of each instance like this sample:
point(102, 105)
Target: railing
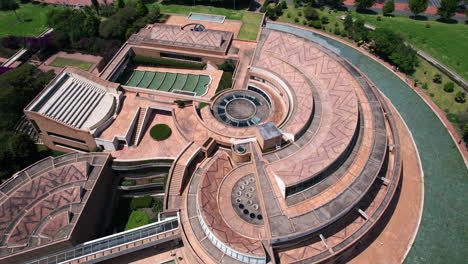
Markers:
point(112, 241)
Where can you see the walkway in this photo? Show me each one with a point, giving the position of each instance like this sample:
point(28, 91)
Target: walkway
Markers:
point(442, 236)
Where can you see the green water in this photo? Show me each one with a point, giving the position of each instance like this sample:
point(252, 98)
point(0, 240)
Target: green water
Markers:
point(442, 235)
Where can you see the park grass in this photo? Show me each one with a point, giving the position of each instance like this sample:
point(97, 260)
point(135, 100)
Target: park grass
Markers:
point(235, 14)
point(445, 101)
point(252, 17)
point(445, 42)
point(37, 14)
point(248, 31)
point(49, 152)
point(63, 62)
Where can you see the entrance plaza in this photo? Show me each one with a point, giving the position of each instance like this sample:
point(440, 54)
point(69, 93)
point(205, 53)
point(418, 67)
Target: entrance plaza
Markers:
point(301, 161)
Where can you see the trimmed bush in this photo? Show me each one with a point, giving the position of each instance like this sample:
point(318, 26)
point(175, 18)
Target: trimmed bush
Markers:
point(160, 132)
point(203, 104)
point(141, 202)
point(137, 219)
point(316, 24)
point(337, 31)
point(437, 78)
point(452, 117)
point(151, 61)
point(448, 87)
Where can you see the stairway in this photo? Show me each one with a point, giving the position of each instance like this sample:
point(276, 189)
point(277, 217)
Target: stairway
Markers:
point(138, 127)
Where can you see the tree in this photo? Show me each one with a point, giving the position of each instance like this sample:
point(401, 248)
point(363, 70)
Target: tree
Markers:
point(311, 13)
point(385, 41)
point(359, 31)
point(348, 22)
point(418, 6)
point(141, 9)
point(10, 5)
point(95, 4)
point(405, 58)
point(120, 4)
point(447, 9)
point(363, 4)
point(388, 8)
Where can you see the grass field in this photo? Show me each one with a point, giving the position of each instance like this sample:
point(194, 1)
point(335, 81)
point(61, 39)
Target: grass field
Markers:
point(250, 26)
point(444, 100)
point(37, 14)
point(185, 10)
point(63, 62)
point(445, 42)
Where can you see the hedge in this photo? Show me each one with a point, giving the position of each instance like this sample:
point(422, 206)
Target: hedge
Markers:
point(160, 132)
point(152, 61)
point(137, 219)
point(141, 202)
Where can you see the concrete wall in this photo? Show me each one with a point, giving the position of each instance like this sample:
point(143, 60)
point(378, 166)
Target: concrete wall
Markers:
point(46, 124)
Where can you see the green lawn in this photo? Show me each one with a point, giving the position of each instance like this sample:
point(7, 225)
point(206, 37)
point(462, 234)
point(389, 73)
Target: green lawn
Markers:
point(185, 10)
point(137, 219)
point(9, 25)
point(445, 42)
point(252, 17)
point(445, 101)
point(63, 62)
point(249, 31)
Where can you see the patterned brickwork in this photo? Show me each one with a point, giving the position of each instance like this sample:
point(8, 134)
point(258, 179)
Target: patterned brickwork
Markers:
point(176, 35)
point(29, 193)
point(336, 88)
point(208, 203)
point(30, 221)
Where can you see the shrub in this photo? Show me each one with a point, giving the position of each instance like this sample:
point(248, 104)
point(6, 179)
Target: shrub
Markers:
point(284, 5)
point(311, 13)
point(316, 24)
point(431, 94)
point(160, 132)
point(151, 61)
point(388, 8)
point(325, 20)
point(460, 97)
point(299, 13)
point(296, 19)
point(137, 219)
point(304, 22)
point(141, 202)
point(437, 78)
point(448, 87)
point(428, 26)
point(158, 205)
point(228, 66)
point(424, 86)
point(128, 183)
point(288, 15)
point(379, 18)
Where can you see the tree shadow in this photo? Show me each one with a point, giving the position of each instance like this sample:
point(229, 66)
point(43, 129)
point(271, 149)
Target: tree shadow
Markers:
point(254, 5)
point(419, 17)
point(366, 11)
point(447, 21)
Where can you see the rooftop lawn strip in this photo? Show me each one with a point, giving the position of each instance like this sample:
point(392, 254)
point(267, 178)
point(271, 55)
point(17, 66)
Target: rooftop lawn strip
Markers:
point(179, 82)
point(191, 82)
point(147, 79)
point(201, 85)
point(136, 78)
point(157, 80)
point(168, 81)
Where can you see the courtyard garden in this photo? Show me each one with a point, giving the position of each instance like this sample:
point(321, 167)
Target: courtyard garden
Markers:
point(64, 62)
point(135, 212)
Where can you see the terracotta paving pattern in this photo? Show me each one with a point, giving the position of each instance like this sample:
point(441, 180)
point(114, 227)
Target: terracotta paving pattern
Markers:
point(339, 103)
point(208, 203)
